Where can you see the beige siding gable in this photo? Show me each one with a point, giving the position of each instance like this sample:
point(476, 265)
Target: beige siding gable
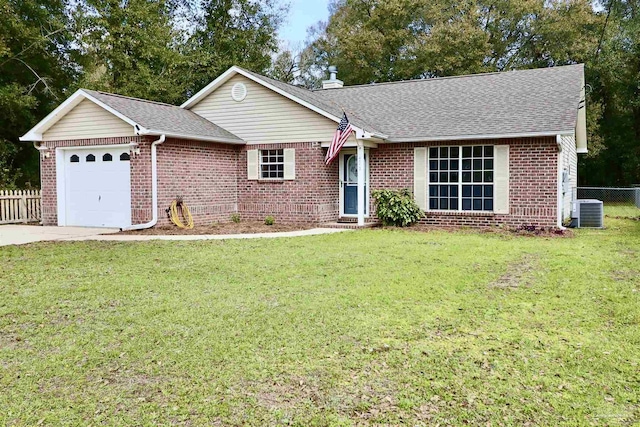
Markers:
point(88, 120)
point(264, 116)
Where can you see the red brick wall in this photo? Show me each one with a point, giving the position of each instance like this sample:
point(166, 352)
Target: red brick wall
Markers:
point(312, 196)
point(212, 179)
point(203, 174)
point(533, 184)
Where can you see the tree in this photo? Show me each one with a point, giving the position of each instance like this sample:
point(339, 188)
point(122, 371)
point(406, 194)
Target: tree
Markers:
point(130, 47)
point(231, 32)
point(614, 77)
point(34, 52)
point(376, 40)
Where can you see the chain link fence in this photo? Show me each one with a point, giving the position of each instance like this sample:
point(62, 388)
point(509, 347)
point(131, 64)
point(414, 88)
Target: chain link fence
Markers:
point(618, 201)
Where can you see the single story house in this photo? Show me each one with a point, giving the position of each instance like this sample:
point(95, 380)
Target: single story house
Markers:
point(476, 150)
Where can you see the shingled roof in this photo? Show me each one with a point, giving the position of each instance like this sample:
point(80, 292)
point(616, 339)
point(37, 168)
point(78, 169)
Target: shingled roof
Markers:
point(493, 105)
point(164, 118)
point(515, 102)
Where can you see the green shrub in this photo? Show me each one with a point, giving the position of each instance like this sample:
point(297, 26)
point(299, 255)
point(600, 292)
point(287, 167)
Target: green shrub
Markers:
point(235, 217)
point(397, 208)
point(269, 220)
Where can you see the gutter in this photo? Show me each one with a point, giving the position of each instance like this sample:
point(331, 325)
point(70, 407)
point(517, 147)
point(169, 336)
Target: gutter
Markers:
point(222, 140)
point(479, 136)
point(560, 205)
point(154, 188)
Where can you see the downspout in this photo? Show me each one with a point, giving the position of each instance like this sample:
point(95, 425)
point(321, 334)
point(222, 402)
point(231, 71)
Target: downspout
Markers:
point(154, 189)
point(560, 214)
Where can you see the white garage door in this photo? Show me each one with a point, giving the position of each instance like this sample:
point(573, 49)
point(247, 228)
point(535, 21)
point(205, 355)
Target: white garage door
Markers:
point(97, 187)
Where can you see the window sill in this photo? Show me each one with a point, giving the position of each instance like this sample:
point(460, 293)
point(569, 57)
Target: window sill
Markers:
point(461, 213)
point(272, 180)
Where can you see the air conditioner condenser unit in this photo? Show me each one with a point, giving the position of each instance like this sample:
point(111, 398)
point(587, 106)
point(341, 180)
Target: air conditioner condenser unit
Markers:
point(587, 213)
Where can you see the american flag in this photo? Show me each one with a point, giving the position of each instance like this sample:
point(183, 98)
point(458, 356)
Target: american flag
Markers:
point(339, 138)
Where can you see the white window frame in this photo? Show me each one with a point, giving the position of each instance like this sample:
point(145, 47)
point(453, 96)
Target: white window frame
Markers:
point(460, 183)
point(262, 163)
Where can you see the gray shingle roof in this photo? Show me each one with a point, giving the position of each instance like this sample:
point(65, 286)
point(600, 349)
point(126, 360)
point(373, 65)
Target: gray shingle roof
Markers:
point(514, 102)
point(164, 118)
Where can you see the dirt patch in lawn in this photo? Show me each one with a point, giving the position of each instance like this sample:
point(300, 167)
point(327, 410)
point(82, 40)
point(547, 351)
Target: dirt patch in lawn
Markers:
point(519, 273)
point(243, 227)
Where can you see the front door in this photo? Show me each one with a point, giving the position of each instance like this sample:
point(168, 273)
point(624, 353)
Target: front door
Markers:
point(349, 177)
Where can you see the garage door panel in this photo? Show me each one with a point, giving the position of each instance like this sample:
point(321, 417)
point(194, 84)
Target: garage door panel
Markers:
point(97, 188)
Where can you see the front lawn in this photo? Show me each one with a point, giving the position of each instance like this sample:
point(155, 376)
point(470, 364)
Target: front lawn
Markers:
point(366, 327)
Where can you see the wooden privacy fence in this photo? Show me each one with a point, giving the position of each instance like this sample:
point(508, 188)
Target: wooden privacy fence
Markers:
point(20, 206)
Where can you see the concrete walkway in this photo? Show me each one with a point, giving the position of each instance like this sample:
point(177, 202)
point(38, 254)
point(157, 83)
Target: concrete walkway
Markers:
point(22, 234)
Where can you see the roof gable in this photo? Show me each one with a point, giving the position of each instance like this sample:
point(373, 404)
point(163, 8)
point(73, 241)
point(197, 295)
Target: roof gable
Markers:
point(88, 120)
point(302, 96)
point(262, 116)
point(35, 133)
point(146, 118)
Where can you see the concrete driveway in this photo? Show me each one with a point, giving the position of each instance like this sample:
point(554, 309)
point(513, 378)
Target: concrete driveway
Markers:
point(21, 234)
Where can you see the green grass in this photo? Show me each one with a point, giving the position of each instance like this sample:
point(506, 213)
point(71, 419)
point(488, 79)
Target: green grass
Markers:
point(625, 210)
point(367, 327)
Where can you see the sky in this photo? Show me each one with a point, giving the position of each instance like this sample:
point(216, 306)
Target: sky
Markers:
point(302, 15)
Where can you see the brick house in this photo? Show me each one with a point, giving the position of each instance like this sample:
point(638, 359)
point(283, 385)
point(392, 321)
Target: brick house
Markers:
point(478, 150)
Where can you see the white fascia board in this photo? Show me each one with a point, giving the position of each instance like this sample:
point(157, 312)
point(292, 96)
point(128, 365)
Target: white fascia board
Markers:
point(472, 137)
point(360, 133)
point(35, 134)
point(193, 137)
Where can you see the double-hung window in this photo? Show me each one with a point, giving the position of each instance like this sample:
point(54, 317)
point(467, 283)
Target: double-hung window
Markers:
point(272, 164)
point(461, 178)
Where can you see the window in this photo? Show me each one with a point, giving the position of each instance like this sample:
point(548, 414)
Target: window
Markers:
point(124, 157)
point(461, 178)
point(91, 158)
point(74, 159)
point(272, 164)
point(107, 157)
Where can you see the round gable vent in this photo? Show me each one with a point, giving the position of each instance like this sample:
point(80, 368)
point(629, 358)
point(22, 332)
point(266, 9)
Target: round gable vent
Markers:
point(239, 92)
